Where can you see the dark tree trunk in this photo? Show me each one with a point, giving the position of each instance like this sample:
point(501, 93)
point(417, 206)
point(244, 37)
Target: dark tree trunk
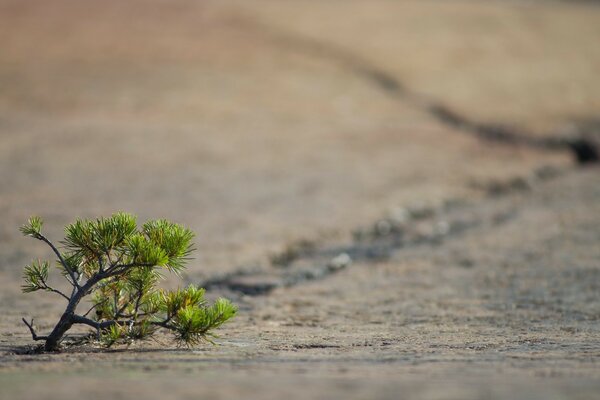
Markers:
point(68, 318)
point(64, 324)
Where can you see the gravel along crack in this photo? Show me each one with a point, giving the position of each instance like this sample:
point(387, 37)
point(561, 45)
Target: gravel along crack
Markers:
point(402, 228)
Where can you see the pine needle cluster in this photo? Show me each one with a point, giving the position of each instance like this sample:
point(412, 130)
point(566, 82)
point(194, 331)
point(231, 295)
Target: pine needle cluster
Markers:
point(120, 265)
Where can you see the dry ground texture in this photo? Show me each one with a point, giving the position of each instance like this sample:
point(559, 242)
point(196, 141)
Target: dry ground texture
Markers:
point(389, 190)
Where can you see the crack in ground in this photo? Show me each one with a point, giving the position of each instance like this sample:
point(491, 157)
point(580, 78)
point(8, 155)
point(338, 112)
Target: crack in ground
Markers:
point(580, 144)
point(370, 245)
point(405, 228)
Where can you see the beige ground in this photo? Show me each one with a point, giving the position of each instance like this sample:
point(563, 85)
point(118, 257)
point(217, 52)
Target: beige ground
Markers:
point(262, 123)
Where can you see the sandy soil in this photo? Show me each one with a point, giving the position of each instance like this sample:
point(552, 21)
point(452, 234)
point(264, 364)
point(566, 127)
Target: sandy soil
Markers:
point(263, 125)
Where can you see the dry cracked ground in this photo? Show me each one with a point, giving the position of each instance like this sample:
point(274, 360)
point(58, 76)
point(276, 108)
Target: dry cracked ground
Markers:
point(401, 196)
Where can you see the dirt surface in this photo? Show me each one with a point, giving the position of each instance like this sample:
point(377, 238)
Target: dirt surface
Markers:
point(391, 191)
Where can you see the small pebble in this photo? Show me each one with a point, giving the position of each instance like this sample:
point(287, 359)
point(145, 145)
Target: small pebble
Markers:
point(340, 261)
point(442, 228)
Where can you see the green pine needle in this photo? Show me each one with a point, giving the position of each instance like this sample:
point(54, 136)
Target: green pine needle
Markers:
point(35, 276)
point(33, 227)
point(193, 323)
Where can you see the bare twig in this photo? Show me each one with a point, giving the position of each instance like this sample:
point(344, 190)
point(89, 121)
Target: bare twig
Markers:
point(33, 334)
point(50, 289)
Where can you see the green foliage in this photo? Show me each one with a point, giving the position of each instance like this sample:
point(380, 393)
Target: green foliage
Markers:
point(183, 311)
point(192, 323)
point(112, 335)
point(35, 276)
point(140, 331)
point(171, 302)
point(120, 265)
point(101, 235)
point(139, 250)
point(97, 242)
point(173, 239)
point(33, 227)
point(74, 262)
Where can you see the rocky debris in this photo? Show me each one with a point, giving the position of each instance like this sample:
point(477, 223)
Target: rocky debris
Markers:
point(340, 261)
point(404, 227)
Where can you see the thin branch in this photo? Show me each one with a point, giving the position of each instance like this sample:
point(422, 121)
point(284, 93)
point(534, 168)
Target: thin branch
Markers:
point(118, 260)
point(119, 313)
point(131, 316)
point(33, 334)
point(137, 302)
point(51, 289)
point(71, 273)
point(116, 302)
point(100, 263)
point(163, 324)
point(78, 319)
point(48, 288)
point(90, 283)
point(108, 260)
point(92, 307)
point(120, 268)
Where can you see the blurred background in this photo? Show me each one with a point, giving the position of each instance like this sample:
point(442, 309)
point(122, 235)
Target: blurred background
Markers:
point(260, 122)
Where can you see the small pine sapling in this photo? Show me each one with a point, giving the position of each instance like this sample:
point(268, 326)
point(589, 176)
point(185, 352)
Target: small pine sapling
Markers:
point(119, 265)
